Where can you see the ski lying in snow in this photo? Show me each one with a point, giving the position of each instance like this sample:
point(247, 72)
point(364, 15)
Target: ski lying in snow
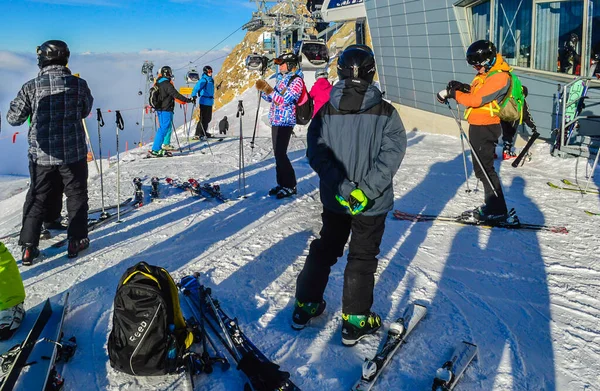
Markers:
point(590, 213)
point(262, 373)
point(397, 333)
point(575, 189)
point(122, 204)
point(213, 191)
point(459, 220)
point(450, 373)
point(14, 360)
point(50, 349)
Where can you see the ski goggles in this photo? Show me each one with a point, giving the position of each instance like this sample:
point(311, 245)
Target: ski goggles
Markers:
point(278, 61)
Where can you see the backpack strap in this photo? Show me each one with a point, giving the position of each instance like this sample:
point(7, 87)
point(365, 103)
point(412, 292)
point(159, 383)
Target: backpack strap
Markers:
point(290, 82)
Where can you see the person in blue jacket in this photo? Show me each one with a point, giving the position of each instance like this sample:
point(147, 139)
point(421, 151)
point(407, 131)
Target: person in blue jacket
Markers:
point(205, 90)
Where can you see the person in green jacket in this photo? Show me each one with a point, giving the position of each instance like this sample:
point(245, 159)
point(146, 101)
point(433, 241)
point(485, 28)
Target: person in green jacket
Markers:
point(12, 294)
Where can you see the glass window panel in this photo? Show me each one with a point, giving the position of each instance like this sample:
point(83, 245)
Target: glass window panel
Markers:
point(514, 31)
point(558, 36)
point(480, 21)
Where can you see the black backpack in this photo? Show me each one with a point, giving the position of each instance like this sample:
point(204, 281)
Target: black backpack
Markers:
point(304, 112)
point(149, 334)
point(154, 98)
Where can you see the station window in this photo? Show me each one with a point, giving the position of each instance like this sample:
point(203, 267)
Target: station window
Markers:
point(560, 36)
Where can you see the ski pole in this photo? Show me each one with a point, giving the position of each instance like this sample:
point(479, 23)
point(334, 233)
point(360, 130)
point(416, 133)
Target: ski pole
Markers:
point(206, 137)
point(89, 141)
point(120, 126)
point(587, 184)
point(186, 127)
point(255, 121)
point(463, 134)
point(462, 143)
point(101, 124)
point(175, 133)
point(241, 161)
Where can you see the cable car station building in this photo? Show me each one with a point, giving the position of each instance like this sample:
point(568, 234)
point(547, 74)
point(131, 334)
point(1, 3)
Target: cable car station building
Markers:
point(553, 47)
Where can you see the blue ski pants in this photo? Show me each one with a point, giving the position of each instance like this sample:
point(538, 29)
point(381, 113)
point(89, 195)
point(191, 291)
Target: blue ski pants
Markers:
point(165, 119)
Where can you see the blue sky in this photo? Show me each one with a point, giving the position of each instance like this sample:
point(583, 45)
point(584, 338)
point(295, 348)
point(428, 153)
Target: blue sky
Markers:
point(122, 25)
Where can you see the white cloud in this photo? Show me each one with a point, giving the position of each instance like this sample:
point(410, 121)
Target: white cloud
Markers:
point(115, 80)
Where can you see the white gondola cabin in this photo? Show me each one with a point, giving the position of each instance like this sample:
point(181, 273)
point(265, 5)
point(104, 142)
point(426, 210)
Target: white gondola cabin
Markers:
point(255, 62)
point(192, 76)
point(314, 54)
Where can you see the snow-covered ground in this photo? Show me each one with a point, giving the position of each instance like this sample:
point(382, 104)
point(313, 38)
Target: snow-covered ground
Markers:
point(529, 300)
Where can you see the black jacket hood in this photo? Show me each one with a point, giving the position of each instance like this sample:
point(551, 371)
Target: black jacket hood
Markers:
point(354, 96)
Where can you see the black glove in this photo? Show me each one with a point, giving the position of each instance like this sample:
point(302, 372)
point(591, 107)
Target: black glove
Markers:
point(458, 86)
point(193, 99)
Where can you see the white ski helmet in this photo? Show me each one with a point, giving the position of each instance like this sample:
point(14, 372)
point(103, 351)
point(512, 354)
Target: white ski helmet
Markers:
point(321, 73)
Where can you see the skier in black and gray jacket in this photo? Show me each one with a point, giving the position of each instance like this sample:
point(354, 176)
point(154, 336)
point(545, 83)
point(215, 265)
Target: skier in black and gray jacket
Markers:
point(57, 102)
point(356, 143)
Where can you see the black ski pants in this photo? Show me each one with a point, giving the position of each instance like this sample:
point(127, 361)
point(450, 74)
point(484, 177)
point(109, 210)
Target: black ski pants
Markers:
point(359, 275)
point(55, 200)
point(484, 139)
point(74, 178)
point(509, 129)
point(205, 118)
point(281, 135)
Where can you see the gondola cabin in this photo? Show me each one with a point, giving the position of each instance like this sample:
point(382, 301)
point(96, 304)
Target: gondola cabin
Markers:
point(192, 76)
point(314, 54)
point(254, 62)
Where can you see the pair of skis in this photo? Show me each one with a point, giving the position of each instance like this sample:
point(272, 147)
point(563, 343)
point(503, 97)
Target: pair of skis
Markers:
point(43, 348)
point(570, 186)
point(399, 215)
point(205, 190)
point(446, 377)
point(262, 374)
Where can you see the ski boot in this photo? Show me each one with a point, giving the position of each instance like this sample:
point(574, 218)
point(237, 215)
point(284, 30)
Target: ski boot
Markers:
point(55, 225)
point(10, 320)
point(507, 152)
point(30, 253)
point(77, 245)
point(45, 234)
point(285, 192)
point(274, 190)
point(304, 312)
point(356, 327)
point(481, 215)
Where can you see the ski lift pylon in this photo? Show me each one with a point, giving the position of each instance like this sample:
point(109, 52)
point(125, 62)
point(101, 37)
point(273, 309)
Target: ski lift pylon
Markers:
point(313, 54)
point(192, 76)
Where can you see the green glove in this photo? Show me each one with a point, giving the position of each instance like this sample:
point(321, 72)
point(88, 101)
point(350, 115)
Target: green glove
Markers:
point(356, 204)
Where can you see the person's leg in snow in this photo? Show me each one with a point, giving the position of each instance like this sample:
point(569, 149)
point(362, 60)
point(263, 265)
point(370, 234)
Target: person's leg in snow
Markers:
point(358, 320)
point(165, 119)
point(323, 254)
point(484, 139)
point(75, 180)
point(509, 129)
point(286, 177)
point(34, 209)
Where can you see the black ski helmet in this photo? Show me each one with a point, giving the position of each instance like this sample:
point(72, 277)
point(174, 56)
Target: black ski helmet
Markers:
point(358, 62)
point(287, 58)
point(206, 69)
point(482, 53)
point(166, 71)
point(53, 52)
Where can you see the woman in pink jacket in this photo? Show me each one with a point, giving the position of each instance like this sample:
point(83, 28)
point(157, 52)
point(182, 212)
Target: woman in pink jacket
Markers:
point(320, 90)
